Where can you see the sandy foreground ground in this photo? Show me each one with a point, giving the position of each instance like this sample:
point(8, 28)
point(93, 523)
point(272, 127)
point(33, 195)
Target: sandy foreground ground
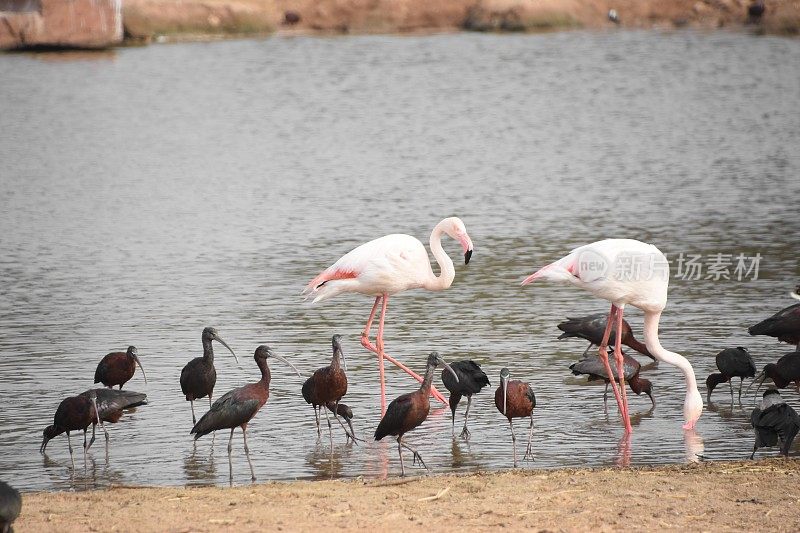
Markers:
point(755, 496)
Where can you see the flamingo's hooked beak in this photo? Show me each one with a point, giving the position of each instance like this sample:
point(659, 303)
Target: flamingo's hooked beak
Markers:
point(466, 245)
point(225, 344)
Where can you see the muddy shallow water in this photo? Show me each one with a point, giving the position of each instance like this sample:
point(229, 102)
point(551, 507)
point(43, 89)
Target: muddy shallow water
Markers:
point(168, 188)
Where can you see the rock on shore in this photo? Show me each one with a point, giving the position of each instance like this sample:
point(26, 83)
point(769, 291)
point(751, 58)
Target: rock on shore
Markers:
point(60, 23)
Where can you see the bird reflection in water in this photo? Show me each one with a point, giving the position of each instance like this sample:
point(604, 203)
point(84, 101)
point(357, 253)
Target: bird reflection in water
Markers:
point(326, 463)
point(200, 468)
point(694, 446)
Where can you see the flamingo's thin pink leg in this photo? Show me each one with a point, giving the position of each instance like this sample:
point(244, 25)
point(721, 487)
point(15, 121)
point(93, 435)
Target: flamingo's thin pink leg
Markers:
point(379, 348)
point(365, 334)
point(621, 370)
point(379, 345)
point(435, 393)
point(604, 357)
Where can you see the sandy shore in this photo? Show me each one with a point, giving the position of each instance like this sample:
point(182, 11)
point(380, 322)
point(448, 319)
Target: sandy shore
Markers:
point(762, 495)
point(146, 20)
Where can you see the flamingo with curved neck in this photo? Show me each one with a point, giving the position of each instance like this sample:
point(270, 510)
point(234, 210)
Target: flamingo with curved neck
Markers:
point(387, 266)
point(626, 271)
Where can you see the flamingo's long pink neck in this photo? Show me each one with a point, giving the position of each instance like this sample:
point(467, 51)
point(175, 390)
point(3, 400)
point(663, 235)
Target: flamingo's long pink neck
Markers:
point(448, 271)
point(651, 320)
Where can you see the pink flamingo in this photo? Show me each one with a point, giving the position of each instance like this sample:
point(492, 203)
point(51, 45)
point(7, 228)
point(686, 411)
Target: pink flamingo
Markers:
point(384, 267)
point(626, 271)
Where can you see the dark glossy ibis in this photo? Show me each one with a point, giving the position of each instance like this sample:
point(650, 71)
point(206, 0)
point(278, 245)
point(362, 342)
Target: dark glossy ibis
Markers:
point(110, 404)
point(783, 372)
point(10, 507)
point(73, 414)
point(117, 368)
point(515, 399)
point(327, 384)
point(344, 411)
point(471, 379)
point(409, 411)
point(594, 367)
point(237, 407)
point(731, 362)
point(783, 325)
point(774, 420)
point(592, 328)
point(199, 376)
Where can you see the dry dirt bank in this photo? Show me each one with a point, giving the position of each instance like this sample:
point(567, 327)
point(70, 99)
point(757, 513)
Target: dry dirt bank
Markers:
point(756, 496)
point(147, 19)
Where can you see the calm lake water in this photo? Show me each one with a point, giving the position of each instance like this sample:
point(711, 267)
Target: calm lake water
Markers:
point(154, 191)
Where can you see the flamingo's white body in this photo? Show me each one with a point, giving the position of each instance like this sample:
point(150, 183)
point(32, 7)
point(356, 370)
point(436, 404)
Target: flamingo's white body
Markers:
point(626, 271)
point(386, 266)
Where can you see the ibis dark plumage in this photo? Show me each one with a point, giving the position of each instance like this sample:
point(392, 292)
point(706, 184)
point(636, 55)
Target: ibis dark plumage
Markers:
point(594, 367)
point(774, 421)
point(783, 325)
point(110, 405)
point(471, 379)
point(731, 362)
point(592, 328)
point(199, 376)
point(327, 384)
point(783, 372)
point(237, 407)
point(117, 368)
point(10, 507)
point(408, 411)
point(343, 410)
point(73, 414)
point(515, 399)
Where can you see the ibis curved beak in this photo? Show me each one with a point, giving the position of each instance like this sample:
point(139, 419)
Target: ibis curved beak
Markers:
point(45, 440)
point(281, 358)
point(504, 383)
point(225, 344)
point(652, 399)
point(138, 362)
point(758, 379)
point(96, 411)
point(448, 367)
point(338, 350)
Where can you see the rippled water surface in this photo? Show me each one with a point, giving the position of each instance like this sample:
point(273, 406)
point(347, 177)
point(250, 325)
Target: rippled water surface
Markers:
point(158, 190)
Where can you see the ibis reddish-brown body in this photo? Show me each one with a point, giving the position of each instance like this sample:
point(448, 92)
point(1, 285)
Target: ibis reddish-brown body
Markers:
point(409, 411)
point(116, 368)
point(515, 399)
point(520, 404)
point(237, 407)
point(327, 385)
point(73, 414)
